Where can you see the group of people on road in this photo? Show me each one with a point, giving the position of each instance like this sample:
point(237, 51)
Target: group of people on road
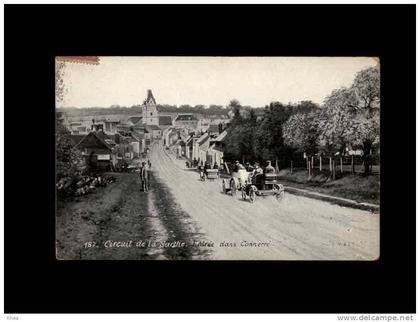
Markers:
point(256, 169)
point(144, 175)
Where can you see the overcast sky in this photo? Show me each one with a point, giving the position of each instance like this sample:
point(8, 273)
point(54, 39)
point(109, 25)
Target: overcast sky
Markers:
point(254, 81)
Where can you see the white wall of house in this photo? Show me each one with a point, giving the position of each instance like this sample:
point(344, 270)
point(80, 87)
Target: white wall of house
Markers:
point(135, 148)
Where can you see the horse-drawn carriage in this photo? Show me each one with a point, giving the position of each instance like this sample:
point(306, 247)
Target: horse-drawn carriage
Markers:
point(252, 186)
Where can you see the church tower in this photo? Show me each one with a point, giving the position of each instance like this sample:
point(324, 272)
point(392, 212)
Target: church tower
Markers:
point(149, 111)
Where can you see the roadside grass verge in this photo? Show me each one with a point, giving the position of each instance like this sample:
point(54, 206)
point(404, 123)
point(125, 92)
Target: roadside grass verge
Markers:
point(355, 187)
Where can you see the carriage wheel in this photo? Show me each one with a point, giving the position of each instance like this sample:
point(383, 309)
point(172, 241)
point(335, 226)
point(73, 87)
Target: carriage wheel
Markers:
point(252, 195)
point(243, 193)
point(279, 192)
point(233, 188)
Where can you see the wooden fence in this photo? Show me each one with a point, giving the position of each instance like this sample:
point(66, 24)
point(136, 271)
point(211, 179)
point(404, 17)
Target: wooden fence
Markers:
point(345, 164)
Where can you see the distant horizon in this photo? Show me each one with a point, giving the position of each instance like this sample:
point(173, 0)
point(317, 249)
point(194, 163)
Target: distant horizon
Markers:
point(253, 81)
point(173, 105)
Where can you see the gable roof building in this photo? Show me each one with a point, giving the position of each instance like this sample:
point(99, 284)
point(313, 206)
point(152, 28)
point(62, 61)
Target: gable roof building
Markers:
point(165, 120)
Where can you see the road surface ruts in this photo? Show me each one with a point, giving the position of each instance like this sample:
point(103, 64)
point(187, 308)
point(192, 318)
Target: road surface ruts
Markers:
point(296, 228)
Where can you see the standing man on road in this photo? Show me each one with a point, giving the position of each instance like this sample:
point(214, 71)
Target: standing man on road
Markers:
point(144, 177)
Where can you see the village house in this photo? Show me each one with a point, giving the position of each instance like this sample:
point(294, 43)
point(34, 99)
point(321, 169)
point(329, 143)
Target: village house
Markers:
point(214, 130)
point(200, 147)
point(165, 121)
point(155, 131)
point(110, 125)
point(186, 120)
point(78, 127)
point(98, 153)
point(242, 112)
point(216, 149)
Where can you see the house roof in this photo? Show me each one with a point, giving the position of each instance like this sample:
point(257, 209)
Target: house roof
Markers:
point(221, 136)
point(135, 119)
point(76, 138)
point(204, 146)
point(152, 127)
point(173, 133)
point(140, 127)
point(124, 126)
point(203, 139)
point(186, 117)
point(213, 128)
point(102, 135)
point(93, 136)
point(138, 136)
point(216, 148)
point(165, 120)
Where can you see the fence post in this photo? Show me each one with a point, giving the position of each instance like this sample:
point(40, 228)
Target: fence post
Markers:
point(291, 166)
point(330, 164)
point(320, 163)
point(341, 164)
point(312, 162)
point(352, 164)
point(333, 171)
point(309, 168)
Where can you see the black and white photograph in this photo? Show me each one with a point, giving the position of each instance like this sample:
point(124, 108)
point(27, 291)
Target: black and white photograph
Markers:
point(175, 161)
point(217, 158)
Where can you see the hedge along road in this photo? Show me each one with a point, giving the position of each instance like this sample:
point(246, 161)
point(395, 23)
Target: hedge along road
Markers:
point(295, 228)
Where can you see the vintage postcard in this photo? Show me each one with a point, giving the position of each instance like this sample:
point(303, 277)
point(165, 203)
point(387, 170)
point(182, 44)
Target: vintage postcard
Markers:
point(217, 158)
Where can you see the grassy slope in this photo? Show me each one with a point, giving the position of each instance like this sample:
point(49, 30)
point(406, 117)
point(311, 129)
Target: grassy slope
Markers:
point(355, 187)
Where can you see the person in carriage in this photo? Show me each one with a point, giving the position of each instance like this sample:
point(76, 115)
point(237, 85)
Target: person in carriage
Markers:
point(216, 167)
point(269, 169)
point(207, 166)
point(257, 169)
point(237, 167)
point(249, 167)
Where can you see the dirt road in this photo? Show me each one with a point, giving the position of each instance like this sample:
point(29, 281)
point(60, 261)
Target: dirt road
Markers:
point(101, 225)
point(296, 228)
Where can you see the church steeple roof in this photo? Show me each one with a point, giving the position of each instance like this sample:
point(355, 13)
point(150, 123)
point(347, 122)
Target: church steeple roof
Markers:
point(150, 99)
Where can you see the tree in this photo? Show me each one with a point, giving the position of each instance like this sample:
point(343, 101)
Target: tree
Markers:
point(351, 116)
point(234, 103)
point(269, 141)
point(336, 121)
point(60, 89)
point(301, 132)
point(366, 87)
point(68, 160)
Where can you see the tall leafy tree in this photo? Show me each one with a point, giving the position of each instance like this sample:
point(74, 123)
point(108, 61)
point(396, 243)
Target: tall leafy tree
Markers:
point(302, 132)
point(351, 116)
point(269, 141)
